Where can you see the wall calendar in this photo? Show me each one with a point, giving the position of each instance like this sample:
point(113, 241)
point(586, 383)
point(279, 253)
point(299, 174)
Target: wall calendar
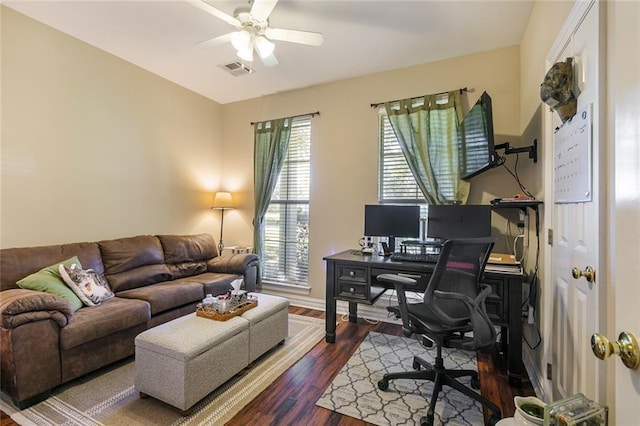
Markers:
point(572, 163)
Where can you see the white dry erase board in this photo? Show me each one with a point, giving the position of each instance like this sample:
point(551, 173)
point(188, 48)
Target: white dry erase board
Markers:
point(572, 159)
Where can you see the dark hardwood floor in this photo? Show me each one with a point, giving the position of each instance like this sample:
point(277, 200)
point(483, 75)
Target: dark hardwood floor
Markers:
point(291, 399)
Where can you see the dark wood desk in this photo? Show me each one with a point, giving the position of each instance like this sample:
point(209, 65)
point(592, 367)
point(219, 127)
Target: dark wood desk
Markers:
point(351, 276)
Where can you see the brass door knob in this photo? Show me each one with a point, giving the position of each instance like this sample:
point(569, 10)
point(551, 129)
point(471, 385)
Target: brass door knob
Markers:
point(626, 347)
point(589, 273)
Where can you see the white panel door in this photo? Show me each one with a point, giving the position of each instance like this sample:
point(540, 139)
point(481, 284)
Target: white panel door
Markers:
point(578, 228)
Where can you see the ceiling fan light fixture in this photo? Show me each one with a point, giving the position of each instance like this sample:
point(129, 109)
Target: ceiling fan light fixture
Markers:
point(246, 54)
point(241, 40)
point(264, 47)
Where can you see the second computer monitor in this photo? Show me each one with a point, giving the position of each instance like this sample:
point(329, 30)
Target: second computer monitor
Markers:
point(458, 221)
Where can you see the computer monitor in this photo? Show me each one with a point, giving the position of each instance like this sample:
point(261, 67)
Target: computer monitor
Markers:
point(458, 221)
point(387, 220)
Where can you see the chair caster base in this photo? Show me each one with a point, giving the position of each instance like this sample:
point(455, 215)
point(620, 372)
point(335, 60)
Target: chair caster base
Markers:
point(493, 420)
point(475, 383)
point(383, 385)
point(426, 420)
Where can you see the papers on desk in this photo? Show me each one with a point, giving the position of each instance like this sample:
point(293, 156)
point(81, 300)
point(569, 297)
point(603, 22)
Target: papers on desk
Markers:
point(503, 263)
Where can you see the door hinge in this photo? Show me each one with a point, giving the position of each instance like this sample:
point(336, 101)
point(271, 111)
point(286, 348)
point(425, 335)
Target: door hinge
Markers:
point(549, 369)
point(550, 236)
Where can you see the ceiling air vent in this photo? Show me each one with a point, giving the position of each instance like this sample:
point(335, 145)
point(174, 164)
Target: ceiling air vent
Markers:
point(237, 68)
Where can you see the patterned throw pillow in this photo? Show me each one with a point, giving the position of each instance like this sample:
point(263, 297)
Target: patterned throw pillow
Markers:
point(89, 286)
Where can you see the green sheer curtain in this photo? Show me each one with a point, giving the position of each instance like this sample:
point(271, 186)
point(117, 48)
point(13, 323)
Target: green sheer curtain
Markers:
point(271, 142)
point(427, 134)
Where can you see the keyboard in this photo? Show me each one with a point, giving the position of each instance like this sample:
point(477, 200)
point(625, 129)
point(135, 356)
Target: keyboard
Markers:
point(415, 257)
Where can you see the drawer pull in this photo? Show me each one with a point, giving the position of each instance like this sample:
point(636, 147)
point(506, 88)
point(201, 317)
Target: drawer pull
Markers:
point(352, 273)
point(352, 290)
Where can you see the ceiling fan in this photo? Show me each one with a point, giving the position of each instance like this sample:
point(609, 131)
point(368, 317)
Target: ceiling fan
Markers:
point(253, 31)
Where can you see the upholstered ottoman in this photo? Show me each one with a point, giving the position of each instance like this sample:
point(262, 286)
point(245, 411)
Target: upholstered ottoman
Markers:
point(268, 324)
point(182, 361)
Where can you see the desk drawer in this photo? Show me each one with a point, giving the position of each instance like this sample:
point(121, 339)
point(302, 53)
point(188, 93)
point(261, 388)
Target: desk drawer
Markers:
point(422, 278)
point(352, 274)
point(352, 290)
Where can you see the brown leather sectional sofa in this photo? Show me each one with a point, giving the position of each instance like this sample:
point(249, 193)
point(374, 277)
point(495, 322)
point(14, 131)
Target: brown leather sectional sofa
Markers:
point(155, 279)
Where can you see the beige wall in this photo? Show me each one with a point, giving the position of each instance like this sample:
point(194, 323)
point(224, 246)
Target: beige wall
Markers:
point(94, 147)
point(345, 144)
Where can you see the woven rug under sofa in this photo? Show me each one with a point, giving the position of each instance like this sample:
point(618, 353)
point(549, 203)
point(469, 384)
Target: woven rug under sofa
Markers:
point(108, 396)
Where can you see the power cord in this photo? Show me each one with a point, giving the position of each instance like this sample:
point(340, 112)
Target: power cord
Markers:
point(502, 161)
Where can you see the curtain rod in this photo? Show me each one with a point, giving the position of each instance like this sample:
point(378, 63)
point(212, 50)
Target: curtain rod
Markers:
point(463, 89)
point(312, 114)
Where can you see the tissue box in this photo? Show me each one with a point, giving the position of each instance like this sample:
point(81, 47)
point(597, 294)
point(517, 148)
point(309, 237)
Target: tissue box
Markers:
point(576, 410)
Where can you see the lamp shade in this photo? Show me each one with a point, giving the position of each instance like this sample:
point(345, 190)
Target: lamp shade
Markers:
point(264, 47)
point(241, 40)
point(222, 200)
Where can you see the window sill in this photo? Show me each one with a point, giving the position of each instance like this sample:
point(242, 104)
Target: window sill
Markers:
point(286, 288)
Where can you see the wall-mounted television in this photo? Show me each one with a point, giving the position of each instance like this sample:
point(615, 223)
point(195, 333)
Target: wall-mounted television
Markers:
point(476, 139)
point(389, 220)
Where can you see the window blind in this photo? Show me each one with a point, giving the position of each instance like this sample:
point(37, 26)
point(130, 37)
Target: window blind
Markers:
point(286, 254)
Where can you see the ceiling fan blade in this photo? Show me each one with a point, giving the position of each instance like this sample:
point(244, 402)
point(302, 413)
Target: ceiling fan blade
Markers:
point(216, 41)
point(261, 9)
point(200, 4)
point(270, 61)
point(295, 36)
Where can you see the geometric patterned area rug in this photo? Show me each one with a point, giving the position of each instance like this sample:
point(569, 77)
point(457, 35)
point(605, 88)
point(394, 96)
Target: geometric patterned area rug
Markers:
point(108, 396)
point(354, 392)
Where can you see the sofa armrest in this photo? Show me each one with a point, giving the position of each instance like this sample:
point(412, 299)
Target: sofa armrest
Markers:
point(20, 306)
point(245, 264)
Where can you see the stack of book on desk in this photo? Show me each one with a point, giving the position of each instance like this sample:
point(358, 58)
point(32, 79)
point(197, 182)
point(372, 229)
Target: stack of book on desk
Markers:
point(503, 263)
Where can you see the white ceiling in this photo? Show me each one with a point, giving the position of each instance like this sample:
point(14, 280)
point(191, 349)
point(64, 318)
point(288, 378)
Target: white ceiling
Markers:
point(360, 37)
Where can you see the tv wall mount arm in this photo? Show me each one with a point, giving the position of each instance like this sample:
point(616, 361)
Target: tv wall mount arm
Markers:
point(532, 150)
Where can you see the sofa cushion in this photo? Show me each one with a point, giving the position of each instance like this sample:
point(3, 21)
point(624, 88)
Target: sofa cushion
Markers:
point(17, 263)
point(49, 280)
point(167, 295)
point(186, 269)
point(187, 255)
point(133, 262)
point(188, 248)
point(215, 283)
point(113, 315)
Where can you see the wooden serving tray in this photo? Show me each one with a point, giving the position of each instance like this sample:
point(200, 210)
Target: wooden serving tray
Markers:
point(223, 317)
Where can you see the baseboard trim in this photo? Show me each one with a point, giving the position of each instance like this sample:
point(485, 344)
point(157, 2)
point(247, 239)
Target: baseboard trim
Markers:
point(535, 374)
point(377, 312)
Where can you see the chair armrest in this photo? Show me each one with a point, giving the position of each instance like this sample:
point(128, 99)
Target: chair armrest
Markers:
point(486, 291)
point(400, 282)
point(20, 306)
point(484, 333)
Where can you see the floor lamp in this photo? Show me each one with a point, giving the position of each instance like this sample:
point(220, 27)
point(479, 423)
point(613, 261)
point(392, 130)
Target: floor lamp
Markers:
point(222, 201)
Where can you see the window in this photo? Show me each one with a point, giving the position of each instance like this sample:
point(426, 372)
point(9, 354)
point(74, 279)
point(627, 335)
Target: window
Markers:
point(286, 239)
point(396, 183)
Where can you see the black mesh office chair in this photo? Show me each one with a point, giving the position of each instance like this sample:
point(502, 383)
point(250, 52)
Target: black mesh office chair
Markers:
point(453, 304)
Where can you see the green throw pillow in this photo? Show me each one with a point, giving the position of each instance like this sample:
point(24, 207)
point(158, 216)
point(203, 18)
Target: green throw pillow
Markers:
point(49, 280)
